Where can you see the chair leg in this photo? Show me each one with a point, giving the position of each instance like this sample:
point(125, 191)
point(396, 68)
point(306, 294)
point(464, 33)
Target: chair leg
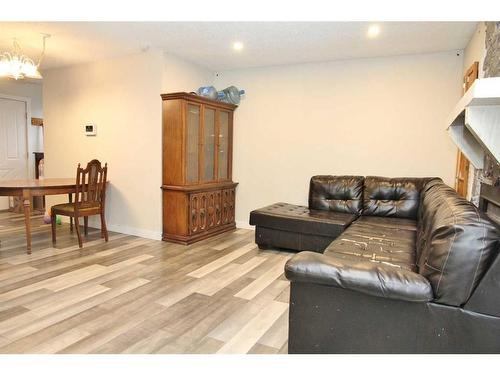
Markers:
point(70, 200)
point(104, 229)
point(86, 225)
point(77, 227)
point(53, 226)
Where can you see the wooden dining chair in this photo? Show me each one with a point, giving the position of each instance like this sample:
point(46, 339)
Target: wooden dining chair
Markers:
point(90, 198)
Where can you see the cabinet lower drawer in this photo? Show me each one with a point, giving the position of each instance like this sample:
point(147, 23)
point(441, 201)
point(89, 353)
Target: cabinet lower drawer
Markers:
point(211, 209)
point(193, 213)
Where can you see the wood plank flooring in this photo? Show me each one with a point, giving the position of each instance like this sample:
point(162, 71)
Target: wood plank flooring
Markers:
point(134, 295)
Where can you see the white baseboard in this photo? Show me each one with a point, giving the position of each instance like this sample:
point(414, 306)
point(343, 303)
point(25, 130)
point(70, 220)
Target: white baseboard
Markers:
point(144, 233)
point(244, 225)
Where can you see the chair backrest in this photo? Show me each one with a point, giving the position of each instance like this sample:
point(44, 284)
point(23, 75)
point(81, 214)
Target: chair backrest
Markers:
point(91, 185)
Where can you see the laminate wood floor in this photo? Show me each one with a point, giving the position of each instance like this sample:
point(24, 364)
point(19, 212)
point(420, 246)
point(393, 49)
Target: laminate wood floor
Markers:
point(134, 295)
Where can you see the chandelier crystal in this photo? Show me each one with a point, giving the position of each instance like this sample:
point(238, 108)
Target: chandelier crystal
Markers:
point(18, 66)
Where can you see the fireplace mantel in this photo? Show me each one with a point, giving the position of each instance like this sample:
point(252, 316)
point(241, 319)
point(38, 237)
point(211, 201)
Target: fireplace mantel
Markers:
point(474, 123)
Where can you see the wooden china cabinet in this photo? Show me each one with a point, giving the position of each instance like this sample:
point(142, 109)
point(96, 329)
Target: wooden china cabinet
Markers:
point(198, 191)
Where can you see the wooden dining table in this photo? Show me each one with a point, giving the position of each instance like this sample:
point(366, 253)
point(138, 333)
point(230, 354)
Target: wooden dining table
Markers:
point(26, 189)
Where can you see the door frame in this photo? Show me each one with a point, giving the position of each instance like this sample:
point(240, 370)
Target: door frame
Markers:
point(472, 71)
point(30, 160)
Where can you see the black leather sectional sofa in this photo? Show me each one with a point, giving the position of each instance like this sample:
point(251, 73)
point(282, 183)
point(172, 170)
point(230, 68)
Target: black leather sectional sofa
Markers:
point(391, 265)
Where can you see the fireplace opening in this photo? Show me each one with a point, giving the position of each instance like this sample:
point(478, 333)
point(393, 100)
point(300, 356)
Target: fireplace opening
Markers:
point(489, 202)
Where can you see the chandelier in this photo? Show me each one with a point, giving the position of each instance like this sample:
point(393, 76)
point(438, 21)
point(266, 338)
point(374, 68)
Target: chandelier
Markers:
point(18, 66)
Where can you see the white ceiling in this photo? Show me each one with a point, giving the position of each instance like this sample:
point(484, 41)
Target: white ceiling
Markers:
point(210, 43)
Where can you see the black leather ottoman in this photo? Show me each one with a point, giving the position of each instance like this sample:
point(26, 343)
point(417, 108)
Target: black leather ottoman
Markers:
point(289, 226)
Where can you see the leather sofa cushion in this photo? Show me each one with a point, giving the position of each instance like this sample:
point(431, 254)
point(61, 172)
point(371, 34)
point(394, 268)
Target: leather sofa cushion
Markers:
point(392, 246)
point(393, 197)
point(300, 219)
point(360, 275)
point(456, 243)
point(391, 222)
point(336, 193)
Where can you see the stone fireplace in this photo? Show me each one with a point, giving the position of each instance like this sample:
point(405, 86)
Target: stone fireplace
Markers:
point(490, 173)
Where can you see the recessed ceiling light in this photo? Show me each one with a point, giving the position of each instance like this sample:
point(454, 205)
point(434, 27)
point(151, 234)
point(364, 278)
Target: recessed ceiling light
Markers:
point(373, 31)
point(237, 46)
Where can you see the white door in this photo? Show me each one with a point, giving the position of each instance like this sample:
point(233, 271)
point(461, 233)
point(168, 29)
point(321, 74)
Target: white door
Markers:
point(13, 143)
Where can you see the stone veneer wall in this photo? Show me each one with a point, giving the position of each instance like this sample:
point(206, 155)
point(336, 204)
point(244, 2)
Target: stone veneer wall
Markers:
point(491, 68)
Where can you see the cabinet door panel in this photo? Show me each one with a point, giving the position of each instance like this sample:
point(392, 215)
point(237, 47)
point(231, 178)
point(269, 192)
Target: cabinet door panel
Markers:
point(194, 225)
point(218, 207)
point(223, 149)
point(209, 144)
point(211, 209)
point(192, 142)
point(227, 206)
point(203, 211)
point(198, 213)
point(230, 217)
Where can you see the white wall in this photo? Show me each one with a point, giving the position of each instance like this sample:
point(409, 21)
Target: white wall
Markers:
point(122, 97)
point(378, 116)
point(33, 91)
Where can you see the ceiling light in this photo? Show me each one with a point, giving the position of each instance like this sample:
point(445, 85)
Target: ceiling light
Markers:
point(18, 66)
point(373, 31)
point(237, 46)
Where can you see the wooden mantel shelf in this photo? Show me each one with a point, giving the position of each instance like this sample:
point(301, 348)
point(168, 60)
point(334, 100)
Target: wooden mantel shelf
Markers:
point(474, 123)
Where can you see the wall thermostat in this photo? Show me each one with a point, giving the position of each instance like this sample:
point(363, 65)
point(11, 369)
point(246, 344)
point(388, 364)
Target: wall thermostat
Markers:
point(90, 129)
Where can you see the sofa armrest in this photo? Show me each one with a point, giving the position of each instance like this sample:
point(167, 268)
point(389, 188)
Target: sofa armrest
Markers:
point(364, 276)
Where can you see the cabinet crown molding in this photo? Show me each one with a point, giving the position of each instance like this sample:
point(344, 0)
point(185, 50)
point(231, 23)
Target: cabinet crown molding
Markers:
point(192, 97)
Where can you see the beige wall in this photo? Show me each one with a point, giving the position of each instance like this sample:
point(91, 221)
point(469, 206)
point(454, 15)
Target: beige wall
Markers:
point(372, 116)
point(379, 116)
point(122, 97)
point(475, 50)
point(182, 75)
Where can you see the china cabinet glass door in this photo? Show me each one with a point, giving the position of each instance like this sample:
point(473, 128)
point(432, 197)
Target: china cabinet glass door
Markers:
point(208, 144)
point(223, 142)
point(192, 142)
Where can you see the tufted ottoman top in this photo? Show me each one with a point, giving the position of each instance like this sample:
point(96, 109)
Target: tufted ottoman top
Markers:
point(300, 219)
